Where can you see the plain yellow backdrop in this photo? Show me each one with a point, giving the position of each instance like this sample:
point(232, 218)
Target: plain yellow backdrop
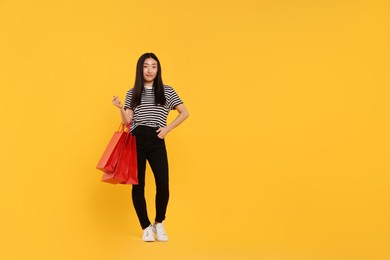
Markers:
point(285, 154)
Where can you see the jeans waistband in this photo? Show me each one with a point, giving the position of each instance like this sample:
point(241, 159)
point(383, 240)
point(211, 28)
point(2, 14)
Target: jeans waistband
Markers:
point(145, 130)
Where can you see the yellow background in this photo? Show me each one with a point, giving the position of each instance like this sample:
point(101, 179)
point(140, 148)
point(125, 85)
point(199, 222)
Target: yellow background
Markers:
point(285, 154)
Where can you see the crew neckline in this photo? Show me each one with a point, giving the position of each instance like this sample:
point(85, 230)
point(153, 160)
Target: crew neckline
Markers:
point(148, 87)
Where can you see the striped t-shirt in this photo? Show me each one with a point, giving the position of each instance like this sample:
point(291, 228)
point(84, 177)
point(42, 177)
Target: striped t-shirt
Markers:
point(148, 113)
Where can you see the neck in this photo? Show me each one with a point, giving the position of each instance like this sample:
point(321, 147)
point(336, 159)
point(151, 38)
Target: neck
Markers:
point(148, 83)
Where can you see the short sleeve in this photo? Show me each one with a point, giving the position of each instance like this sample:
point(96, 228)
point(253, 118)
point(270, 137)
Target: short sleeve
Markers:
point(173, 98)
point(129, 94)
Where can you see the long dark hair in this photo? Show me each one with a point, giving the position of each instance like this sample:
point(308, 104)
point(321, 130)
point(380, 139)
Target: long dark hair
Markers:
point(159, 97)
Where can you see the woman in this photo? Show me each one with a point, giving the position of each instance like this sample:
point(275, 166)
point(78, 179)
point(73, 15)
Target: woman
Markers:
point(146, 107)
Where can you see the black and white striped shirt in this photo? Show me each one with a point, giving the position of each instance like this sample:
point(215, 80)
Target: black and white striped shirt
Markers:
point(147, 113)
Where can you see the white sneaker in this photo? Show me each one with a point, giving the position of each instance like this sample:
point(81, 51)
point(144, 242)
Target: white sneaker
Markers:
point(148, 235)
point(158, 228)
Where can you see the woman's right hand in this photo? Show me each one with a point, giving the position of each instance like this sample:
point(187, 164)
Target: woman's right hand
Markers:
point(116, 102)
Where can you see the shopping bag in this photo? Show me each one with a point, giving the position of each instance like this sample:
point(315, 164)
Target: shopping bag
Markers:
point(126, 170)
point(109, 159)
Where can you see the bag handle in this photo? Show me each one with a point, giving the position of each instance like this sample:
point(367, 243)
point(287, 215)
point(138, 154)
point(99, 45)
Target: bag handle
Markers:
point(123, 128)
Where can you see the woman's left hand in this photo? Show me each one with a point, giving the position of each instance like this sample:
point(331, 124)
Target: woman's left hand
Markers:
point(162, 132)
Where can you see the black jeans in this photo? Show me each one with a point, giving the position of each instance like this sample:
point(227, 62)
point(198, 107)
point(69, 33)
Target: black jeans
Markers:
point(152, 149)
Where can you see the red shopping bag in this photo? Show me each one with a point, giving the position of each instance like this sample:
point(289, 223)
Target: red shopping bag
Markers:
point(109, 159)
point(126, 169)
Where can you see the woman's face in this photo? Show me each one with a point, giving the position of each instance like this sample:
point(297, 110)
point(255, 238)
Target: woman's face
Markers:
point(150, 70)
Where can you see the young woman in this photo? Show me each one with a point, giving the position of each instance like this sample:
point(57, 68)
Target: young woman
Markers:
point(146, 107)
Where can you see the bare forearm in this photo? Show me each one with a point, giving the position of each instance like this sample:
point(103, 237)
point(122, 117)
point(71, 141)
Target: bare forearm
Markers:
point(178, 120)
point(125, 116)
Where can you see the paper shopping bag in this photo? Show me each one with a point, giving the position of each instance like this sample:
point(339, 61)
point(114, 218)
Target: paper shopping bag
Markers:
point(126, 170)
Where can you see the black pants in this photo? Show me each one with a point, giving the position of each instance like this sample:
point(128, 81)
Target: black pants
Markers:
point(152, 149)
